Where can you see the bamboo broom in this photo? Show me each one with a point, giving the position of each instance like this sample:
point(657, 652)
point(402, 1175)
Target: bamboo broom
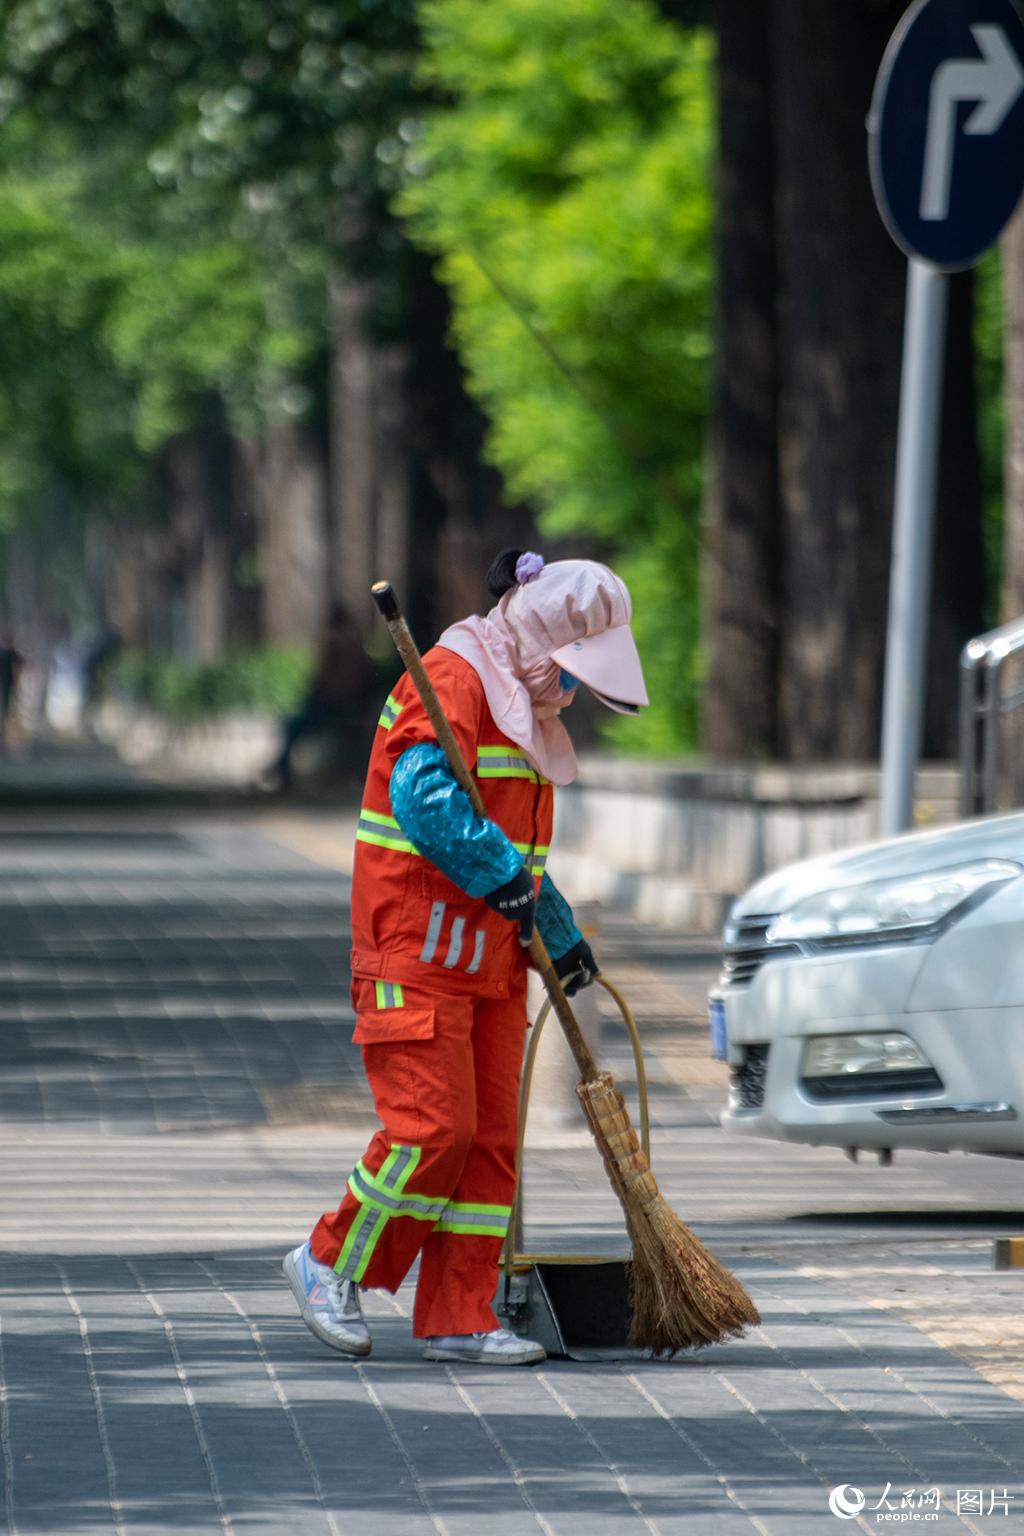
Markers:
point(681, 1296)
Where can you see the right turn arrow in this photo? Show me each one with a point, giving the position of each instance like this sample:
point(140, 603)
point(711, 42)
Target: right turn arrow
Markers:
point(993, 81)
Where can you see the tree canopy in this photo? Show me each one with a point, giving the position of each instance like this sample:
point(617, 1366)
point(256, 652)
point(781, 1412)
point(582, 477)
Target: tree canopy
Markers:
point(563, 178)
point(113, 323)
point(236, 201)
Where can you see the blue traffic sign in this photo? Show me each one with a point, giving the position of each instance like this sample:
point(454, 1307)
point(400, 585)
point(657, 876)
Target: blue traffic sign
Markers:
point(946, 131)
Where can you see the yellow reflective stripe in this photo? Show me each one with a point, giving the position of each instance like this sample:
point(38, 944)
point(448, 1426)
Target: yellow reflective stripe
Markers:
point(468, 1218)
point(360, 1243)
point(500, 753)
point(505, 763)
point(383, 832)
point(373, 1190)
point(471, 1229)
point(378, 840)
point(399, 1149)
point(538, 856)
point(378, 1181)
point(474, 1220)
point(407, 1206)
point(501, 758)
point(362, 1238)
point(389, 994)
point(474, 1209)
point(388, 1209)
point(390, 713)
point(365, 1231)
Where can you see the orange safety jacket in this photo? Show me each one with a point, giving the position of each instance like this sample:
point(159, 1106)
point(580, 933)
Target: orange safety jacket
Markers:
point(410, 924)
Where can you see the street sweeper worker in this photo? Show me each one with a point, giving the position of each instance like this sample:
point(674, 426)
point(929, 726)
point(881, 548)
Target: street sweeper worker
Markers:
point(443, 908)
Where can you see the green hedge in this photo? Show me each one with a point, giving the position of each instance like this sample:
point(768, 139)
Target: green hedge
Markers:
point(272, 681)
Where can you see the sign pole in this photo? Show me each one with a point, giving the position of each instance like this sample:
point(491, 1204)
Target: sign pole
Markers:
point(946, 157)
point(921, 377)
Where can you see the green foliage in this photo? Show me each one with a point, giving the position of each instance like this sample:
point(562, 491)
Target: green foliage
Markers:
point(186, 322)
point(299, 113)
point(61, 411)
point(172, 179)
point(565, 186)
point(268, 681)
point(114, 326)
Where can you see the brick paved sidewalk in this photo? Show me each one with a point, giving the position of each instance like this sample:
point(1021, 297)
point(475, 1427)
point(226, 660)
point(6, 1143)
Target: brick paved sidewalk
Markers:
point(168, 1392)
point(179, 1097)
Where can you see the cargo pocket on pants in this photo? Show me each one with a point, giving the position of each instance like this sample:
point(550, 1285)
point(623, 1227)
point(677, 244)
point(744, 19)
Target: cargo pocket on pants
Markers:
point(384, 1016)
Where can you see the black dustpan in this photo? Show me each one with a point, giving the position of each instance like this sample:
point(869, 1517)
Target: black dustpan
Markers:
point(576, 1305)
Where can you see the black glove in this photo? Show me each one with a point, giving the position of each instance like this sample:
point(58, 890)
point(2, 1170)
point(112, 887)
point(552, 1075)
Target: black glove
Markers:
point(516, 901)
point(576, 968)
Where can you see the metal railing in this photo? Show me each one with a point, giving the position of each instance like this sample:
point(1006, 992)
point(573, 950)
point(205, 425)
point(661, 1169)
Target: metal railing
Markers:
point(989, 691)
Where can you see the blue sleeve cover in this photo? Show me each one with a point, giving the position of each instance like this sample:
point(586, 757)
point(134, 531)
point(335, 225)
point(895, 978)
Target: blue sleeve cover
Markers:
point(436, 816)
point(554, 920)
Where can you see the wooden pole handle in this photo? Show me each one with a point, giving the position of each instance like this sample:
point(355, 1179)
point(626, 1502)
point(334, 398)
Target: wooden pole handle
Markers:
point(384, 596)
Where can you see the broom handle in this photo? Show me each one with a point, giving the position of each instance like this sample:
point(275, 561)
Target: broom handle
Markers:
point(387, 602)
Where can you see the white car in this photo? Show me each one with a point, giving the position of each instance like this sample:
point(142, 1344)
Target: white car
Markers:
point(875, 998)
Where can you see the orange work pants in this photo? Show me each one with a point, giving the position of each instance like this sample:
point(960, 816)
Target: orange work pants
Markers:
point(437, 1180)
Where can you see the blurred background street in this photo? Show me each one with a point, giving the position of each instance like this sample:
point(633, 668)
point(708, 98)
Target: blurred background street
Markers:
point(180, 1097)
point(296, 296)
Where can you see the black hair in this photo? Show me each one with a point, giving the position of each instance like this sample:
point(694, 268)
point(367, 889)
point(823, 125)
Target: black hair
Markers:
point(501, 577)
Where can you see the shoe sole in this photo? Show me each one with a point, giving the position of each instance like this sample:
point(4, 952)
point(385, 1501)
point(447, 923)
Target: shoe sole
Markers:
point(358, 1347)
point(534, 1357)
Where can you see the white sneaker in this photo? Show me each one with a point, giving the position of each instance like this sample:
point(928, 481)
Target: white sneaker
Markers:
point(496, 1348)
point(329, 1305)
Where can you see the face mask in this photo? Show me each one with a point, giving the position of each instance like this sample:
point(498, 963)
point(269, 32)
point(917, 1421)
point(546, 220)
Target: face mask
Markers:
point(548, 708)
point(556, 693)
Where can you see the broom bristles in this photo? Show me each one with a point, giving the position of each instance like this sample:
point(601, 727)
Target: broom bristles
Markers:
point(681, 1295)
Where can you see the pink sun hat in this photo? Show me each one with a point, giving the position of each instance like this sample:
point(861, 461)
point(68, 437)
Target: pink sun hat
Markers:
point(577, 612)
point(609, 665)
point(572, 616)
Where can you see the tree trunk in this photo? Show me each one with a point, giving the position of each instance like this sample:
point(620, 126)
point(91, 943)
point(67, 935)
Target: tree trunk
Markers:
point(459, 515)
point(209, 598)
point(410, 499)
point(129, 546)
point(391, 441)
point(741, 574)
point(202, 556)
point(201, 495)
point(353, 442)
point(840, 305)
point(287, 476)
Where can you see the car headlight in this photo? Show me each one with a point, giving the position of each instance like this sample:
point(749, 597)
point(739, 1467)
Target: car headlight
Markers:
point(831, 1055)
point(909, 905)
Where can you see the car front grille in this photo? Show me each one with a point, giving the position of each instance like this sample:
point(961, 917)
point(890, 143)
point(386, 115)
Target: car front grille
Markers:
point(746, 949)
point(747, 1078)
point(872, 1085)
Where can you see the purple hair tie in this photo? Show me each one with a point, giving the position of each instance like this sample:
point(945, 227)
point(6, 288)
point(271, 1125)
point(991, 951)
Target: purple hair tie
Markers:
point(528, 566)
